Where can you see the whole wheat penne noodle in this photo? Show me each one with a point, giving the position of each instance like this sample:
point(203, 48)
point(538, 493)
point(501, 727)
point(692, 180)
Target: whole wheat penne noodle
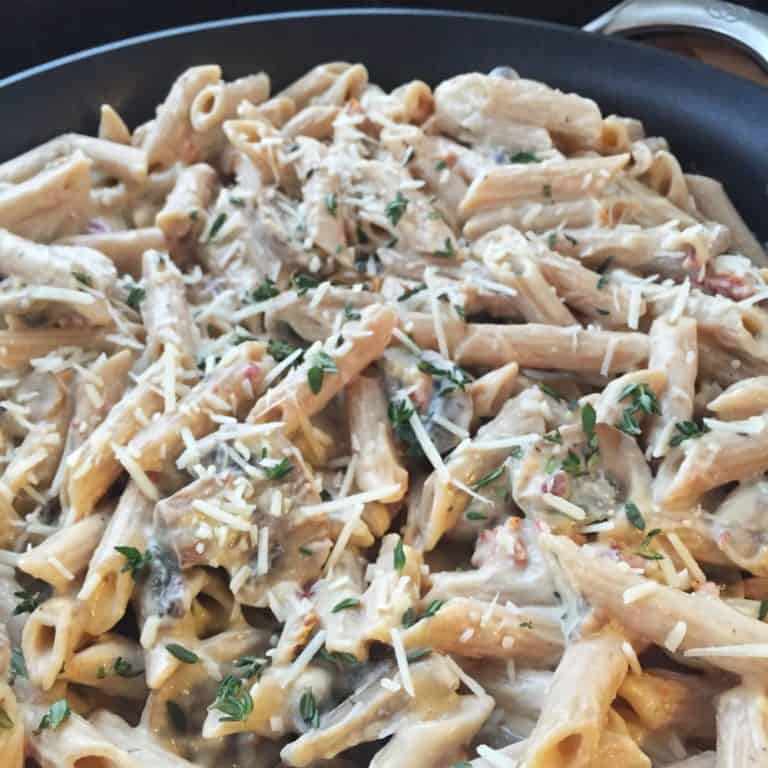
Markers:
point(490, 391)
point(713, 202)
point(113, 664)
point(256, 139)
point(714, 459)
point(508, 256)
point(378, 710)
point(665, 176)
point(51, 204)
point(50, 636)
point(115, 159)
point(411, 102)
point(480, 108)
point(741, 400)
point(93, 467)
point(218, 102)
point(315, 122)
point(95, 310)
point(742, 726)
point(138, 741)
point(674, 349)
point(548, 182)
point(443, 501)
point(27, 164)
point(108, 584)
point(436, 741)
point(324, 212)
point(618, 133)
point(184, 211)
point(568, 731)
point(73, 744)
point(743, 329)
point(660, 249)
point(124, 247)
point(112, 127)
point(231, 390)
point(726, 366)
point(55, 264)
point(534, 216)
point(17, 348)
point(109, 377)
point(614, 398)
point(663, 699)
point(347, 84)
point(537, 346)
point(591, 294)
point(476, 629)
point(709, 622)
point(618, 747)
point(364, 342)
point(12, 732)
point(312, 83)
point(165, 311)
point(170, 136)
point(65, 554)
point(378, 464)
point(278, 110)
point(632, 202)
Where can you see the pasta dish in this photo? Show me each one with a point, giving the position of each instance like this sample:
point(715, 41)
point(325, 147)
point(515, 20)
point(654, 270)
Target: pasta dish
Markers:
point(415, 429)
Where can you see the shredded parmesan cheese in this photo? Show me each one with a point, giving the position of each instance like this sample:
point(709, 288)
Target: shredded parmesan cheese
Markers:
point(402, 662)
point(675, 636)
point(559, 504)
point(631, 656)
point(302, 660)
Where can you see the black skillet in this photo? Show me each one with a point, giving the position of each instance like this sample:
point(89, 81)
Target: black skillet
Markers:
point(715, 122)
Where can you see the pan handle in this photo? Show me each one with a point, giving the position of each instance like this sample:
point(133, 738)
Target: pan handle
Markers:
point(741, 26)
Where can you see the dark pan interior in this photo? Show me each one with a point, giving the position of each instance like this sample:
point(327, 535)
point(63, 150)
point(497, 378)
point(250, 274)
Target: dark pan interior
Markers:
point(714, 121)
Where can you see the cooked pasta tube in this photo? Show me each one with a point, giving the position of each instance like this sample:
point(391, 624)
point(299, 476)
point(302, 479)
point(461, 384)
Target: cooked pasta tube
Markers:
point(217, 102)
point(713, 202)
point(378, 465)
point(170, 136)
point(185, 209)
point(742, 726)
point(230, 389)
point(364, 341)
point(94, 466)
point(708, 622)
point(165, 311)
point(674, 349)
point(65, 554)
point(12, 732)
point(66, 266)
point(50, 637)
point(482, 108)
point(535, 346)
point(568, 731)
point(53, 203)
point(123, 247)
point(544, 182)
point(741, 400)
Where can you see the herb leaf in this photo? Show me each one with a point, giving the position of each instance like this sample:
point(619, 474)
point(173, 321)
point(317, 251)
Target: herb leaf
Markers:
point(265, 290)
point(634, 515)
point(476, 516)
point(182, 654)
point(320, 363)
point(395, 208)
point(524, 157)
point(399, 556)
point(417, 654)
point(409, 618)
point(688, 430)
point(350, 313)
point(218, 223)
point(176, 715)
point(343, 605)
point(308, 710)
point(433, 608)
point(233, 699)
point(274, 469)
point(28, 601)
point(81, 277)
point(301, 282)
point(136, 295)
point(279, 350)
point(412, 292)
point(57, 713)
point(763, 610)
point(18, 666)
point(250, 666)
point(447, 251)
point(330, 203)
point(135, 562)
point(488, 478)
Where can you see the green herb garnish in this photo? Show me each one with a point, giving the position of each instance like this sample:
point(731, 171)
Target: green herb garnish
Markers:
point(310, 714)
point(346, 604)
point(136, 295)
point(182, 654)
point(487, 479)
point(218, 223)
point(634, 515)
point(233, 699)
point(57, 713)
point(28, 601)
point(398, 556)
point(265, 290)
point(320, 363)
point(688, 430)
point(135, 562)
point(395, 209)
